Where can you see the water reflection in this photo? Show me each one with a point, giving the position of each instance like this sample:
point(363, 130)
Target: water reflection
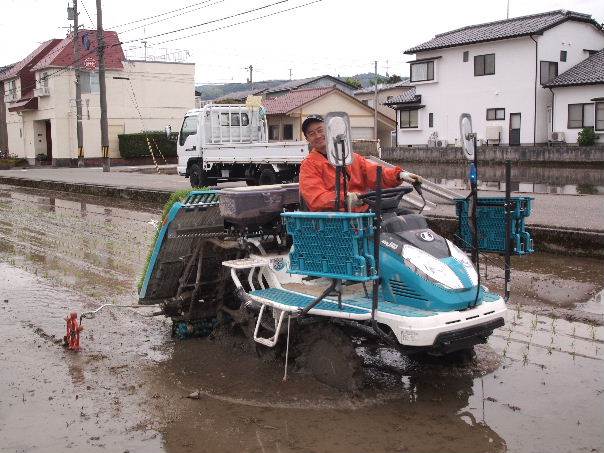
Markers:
point(526, 179)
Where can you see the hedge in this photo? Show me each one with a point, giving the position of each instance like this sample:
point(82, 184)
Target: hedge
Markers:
point(135, 145)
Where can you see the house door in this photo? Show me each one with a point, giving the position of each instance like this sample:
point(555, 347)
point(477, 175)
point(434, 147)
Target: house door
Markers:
point(514, 138)
point(48, 142)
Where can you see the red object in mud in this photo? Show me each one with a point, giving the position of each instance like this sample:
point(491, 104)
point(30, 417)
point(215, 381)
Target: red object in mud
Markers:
point(72, 339)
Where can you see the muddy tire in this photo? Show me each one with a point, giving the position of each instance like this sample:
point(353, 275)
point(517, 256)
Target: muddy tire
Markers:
point(197, 176)
point(267, 177)
point(327, 353)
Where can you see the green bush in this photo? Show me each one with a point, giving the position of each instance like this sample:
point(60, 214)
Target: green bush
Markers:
point(587, 137)
point(135, 145)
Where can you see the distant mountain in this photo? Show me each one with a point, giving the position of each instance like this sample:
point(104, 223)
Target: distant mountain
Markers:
point(213, 91)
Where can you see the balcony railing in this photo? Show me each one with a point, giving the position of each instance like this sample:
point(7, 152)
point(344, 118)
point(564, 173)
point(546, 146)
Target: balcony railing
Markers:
point(42, 91)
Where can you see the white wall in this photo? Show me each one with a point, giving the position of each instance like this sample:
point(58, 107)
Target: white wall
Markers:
point(456, 90)
point(164, 92)
point(572, 37)
point(574, 95)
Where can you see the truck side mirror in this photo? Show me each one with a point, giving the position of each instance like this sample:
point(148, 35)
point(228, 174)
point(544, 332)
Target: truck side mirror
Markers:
point(338, 139)
point(168, 131)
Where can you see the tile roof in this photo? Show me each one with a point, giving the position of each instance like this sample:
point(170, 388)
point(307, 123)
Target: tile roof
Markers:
point(384, 86)
point(295, 84)
point(294, 99)
point(17, 67)
point(502, 29)
point(62, 55)
point(588, 72)
point(408, 97)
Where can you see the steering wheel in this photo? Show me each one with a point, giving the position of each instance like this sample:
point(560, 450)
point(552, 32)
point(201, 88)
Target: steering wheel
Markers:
point(390, 197)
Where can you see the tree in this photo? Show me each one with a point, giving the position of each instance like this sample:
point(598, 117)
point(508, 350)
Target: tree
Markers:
point(394, 79)
point(380, 79)
point(354, 82)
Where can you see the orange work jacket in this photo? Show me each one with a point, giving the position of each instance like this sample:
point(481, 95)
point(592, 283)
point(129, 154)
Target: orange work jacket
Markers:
point(318, 180)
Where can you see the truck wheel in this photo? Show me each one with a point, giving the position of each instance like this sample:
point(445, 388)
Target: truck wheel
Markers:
point(197, 176)
point(267, 177)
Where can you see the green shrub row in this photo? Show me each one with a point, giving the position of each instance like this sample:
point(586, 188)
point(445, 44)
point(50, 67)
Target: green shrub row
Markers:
point(135, 145)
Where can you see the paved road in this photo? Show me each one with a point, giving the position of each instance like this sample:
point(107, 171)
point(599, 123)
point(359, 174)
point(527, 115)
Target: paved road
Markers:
point(585, 212)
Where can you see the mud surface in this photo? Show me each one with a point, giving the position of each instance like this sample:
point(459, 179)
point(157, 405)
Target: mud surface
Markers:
point(535, 387)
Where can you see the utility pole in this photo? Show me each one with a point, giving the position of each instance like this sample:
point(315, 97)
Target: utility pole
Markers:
point(145, 44)
point(78, 87)
point(102, 87)
point(375, 100)
point(290, 73)
point(251, 80)
point(508, 11)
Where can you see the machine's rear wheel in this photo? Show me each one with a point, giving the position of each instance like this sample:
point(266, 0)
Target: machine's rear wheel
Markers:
point(328, 353)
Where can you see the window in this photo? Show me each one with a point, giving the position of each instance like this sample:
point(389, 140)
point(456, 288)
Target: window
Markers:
point(563, 54)
point(421, 72)
point(273, 132)
point(430, 119)
point(484, 64)
point(466, 56)
point(89, 82)
point(580, 116)
point(235, 119)
point(548, 70)
point(43, 82)
point(495, 114)
point(189, 127)
point(408, 119)
point(600, 116)
point(288, 132)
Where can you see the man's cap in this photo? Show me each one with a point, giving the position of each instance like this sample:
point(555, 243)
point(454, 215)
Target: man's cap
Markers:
point(309, 120)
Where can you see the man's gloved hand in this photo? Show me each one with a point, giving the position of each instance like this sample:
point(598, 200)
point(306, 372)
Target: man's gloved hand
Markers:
point(411, 178)
point(353, 201)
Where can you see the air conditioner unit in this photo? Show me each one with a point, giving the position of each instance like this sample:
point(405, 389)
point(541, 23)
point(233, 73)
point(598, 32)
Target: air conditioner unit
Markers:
point(557, 137)
point(442, 143)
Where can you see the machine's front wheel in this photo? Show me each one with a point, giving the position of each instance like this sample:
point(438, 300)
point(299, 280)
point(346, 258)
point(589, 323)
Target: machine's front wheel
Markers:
point(267, 177)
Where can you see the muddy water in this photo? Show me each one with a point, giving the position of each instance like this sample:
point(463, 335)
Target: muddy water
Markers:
point(536, 387)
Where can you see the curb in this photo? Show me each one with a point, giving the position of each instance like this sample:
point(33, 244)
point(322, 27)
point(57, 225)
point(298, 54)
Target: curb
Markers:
point(128, 193)
point(554, 240)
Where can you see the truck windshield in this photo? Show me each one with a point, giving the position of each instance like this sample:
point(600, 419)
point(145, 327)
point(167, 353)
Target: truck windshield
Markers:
point(189, 127)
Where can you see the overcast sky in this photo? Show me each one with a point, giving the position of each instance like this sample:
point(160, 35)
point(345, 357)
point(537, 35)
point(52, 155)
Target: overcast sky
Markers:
point(326, 37)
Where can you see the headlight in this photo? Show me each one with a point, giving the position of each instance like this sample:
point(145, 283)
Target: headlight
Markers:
point(430, 268)
point(460, 256)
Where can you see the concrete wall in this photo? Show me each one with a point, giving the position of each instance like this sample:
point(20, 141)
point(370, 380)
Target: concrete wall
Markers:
point(574, 95)
point(588, 155)
point(456, 90)
point(161, 92)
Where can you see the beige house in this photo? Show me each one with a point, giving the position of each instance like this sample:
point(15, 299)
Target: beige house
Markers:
point(287, 112)
point(385, 92)
point(41, 109)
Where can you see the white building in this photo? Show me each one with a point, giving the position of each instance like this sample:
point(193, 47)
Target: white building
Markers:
point(495, 72)
point(579, 99)
point(40, 99)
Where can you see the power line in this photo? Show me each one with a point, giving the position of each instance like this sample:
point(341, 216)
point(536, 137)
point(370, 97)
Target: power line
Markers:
point(208, 22)
point(170, 17)
point(93, 50)
point(236, 23)
point(159, 15)
point(86, 9)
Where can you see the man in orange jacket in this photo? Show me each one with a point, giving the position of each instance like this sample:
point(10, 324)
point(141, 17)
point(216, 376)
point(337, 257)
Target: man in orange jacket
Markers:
point(318, 176)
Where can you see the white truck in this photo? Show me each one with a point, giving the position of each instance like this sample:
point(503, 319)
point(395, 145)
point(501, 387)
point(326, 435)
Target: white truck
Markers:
point(229, 142)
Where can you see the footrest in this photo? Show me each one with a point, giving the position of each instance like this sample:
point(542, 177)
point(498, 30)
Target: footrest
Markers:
point(245, 263)
point(291, 301)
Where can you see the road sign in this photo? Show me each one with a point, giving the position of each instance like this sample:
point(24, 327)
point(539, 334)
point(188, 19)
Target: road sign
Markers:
point(90, 63)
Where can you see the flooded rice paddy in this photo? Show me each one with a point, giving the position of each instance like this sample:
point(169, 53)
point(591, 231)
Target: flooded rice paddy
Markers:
point(537, 385)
